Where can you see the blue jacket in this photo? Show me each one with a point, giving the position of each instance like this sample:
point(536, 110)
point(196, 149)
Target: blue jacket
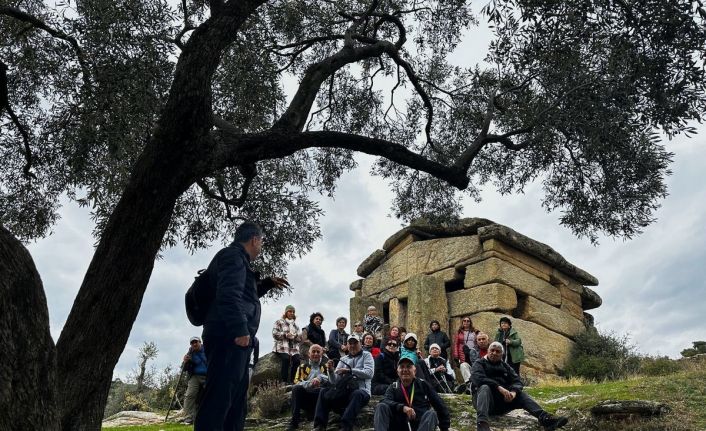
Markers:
point(235, 311)
point(198, 363)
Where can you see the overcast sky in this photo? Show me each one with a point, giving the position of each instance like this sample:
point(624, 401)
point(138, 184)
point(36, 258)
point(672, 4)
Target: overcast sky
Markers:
point(653, 287)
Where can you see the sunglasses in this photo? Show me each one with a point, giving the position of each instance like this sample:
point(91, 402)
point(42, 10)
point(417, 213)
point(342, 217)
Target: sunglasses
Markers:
point(392, 344)
point(194, 342)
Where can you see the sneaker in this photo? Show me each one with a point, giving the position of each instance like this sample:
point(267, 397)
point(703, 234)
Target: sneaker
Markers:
point(550, 423)
point(187, 421)
point(483, 426)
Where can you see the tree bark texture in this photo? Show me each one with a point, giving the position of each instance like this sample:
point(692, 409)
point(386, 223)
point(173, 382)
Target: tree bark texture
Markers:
point(28, 366)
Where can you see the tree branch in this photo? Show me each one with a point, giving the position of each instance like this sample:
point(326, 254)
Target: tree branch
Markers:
point(5, 105)
point(237, 149)
point(39, 24)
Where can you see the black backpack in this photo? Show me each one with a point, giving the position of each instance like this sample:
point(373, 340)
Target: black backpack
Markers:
point(198, 298)
point(343, 387)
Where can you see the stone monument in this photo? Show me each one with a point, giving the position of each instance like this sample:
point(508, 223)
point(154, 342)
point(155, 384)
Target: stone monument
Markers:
point(483, 269)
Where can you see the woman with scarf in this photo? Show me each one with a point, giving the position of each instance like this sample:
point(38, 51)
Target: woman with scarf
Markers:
point(313, 332)
point(287, 337)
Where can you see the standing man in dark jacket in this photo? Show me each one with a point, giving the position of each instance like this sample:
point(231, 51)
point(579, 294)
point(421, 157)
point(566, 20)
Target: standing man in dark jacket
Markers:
point(437, 336)
point(411, 401)
point(497, 389)
point(231, 324)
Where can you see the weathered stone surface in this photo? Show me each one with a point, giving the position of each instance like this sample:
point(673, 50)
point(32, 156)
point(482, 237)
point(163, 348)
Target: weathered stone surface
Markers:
point(356, 285)
point(534, 310)
point(398, 312)
point(628, 408)
point(422, 257)
point(399, 291)
point(536, 249)
point(370, 263)
point(588, 320)
point(590, 299)
point(487, 297)
point(427, 302)
point(494, 270)
point(529, 263)
point(133, 418)
point(448, 274)
point(572, 309)
point(571, 301)
point(545, 350)
point(425, 230)
point(267, 368)
point(359, 307)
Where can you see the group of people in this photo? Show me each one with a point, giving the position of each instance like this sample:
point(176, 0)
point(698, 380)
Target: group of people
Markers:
point(339, 373)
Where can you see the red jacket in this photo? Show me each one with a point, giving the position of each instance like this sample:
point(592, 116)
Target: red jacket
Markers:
point(458, 345)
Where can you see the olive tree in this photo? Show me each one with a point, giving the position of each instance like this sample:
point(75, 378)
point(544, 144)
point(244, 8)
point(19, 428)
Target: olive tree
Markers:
point(172, 121)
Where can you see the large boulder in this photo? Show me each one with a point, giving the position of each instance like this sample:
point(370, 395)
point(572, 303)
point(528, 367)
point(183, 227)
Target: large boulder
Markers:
point(371, 263)
point(267, 368)
point(590, 299)
point(534, 310)
point(494, 270)
point(423, 257)
point(487, 297)
point(133, 418)
point(422, 229)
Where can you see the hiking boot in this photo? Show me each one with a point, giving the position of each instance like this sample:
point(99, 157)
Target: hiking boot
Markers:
point(291, 426)
point(550, 423)
point(483, 426)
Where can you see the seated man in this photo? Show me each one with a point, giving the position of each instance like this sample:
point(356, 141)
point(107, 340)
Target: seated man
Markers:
point(307, 385)
point(360, 363)
point(497, 389)
point(442, 375)
point(482, 342)
point(411, 404)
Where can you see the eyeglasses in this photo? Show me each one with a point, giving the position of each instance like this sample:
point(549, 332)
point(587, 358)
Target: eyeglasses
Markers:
point(466, 320)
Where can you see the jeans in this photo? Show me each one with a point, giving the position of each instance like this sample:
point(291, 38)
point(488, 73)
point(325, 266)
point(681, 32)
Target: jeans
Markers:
point(352, 405)
point(224, 403)
point(489, 401)
point(386, 420)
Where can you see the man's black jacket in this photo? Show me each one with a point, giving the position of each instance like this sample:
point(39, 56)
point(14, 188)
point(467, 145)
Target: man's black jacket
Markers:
point(495, 374)
point(425, 397)
point(235, 311)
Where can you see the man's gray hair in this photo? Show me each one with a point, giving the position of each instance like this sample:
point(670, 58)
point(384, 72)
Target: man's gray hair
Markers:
point(496, 344)
point(246, 231)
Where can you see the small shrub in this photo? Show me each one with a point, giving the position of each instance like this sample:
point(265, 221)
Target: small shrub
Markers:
point(270, 399)
point(135, 401)
point(598, 356)
point(658, 366)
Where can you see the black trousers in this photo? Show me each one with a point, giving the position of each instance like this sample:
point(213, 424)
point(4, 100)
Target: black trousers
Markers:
point(489, 401)
point(351, 406)
point(303, 398)
point(224, 403)
point(288, 367)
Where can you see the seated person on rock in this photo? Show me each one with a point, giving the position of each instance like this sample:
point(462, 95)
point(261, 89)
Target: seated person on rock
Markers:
point(360, 364)
point(411, 404)
point(497, 389)
point(386, 367)
point(409, 347)
point(442, 375)
point(308, 380)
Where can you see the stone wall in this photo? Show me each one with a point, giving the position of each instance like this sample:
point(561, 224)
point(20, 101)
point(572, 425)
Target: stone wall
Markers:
point(479, 268)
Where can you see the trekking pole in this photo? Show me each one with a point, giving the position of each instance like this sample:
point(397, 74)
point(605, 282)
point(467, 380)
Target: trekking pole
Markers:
point(176, 391)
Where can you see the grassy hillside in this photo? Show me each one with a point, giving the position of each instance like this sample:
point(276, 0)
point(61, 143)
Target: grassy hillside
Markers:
point(684, 391)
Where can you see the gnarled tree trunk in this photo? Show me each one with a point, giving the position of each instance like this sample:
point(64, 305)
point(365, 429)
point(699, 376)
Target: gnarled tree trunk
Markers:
point(28, 364)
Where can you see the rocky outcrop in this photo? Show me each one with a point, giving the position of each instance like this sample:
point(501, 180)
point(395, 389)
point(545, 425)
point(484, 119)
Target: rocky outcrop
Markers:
point(623, 409)
point(267, 368)
point(133, 418)
point(372, 262)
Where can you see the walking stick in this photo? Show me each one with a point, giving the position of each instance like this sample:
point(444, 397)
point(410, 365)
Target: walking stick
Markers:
point(176, 390)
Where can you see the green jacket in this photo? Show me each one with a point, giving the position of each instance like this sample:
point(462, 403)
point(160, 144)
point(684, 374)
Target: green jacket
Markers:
point(516, 350)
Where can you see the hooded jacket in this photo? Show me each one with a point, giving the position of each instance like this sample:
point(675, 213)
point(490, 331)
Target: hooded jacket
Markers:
point(439, 337)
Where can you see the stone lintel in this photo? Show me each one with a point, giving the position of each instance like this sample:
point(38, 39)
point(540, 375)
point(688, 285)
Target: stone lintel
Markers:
point(536, 249)
point(488, 297)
